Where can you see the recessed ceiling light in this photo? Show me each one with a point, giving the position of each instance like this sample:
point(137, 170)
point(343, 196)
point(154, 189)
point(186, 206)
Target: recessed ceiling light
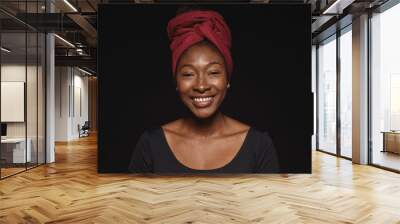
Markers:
point(84, 71)
point(65, 41)
point(337, 7)
point(5, 50)
point(70, 5)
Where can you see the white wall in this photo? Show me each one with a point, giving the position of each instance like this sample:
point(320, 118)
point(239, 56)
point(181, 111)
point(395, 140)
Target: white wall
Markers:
point(71, 102)
point(62, 81)
point(12, 101)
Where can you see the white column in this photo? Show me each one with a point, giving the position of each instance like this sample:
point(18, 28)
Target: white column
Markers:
point(50, 100)
point(360, 90)
point(50, 92)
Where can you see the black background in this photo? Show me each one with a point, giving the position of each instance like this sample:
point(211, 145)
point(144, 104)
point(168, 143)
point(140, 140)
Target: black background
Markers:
point(270, 86)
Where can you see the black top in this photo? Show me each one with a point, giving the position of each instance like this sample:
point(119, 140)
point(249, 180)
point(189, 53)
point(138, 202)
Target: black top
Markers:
point(153, 155)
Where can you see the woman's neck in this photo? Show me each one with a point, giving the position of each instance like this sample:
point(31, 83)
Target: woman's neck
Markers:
point(209, 127)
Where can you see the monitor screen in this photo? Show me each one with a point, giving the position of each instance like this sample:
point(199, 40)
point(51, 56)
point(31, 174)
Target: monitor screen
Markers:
point(264, 59)
point(3, 129)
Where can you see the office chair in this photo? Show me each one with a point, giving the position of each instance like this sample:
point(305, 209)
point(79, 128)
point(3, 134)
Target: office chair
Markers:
point(84, 130)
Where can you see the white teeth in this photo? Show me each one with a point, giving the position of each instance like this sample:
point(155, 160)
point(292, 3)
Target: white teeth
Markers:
point(202, 99)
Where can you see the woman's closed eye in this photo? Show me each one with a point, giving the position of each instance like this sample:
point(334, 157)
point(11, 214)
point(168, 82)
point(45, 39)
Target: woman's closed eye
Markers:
point(214, 72)
point(187, 74)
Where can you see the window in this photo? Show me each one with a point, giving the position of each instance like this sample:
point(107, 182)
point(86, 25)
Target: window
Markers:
point(346, 93)
point(385, 87)
point(327, 95)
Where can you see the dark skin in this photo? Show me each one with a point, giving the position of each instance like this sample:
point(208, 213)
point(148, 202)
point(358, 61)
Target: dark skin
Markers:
point(207, 139)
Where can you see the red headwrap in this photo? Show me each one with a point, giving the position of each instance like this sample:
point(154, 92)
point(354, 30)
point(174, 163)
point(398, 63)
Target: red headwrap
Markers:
point(191, 27)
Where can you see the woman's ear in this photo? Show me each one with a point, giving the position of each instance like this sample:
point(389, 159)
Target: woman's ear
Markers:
point(175, 82)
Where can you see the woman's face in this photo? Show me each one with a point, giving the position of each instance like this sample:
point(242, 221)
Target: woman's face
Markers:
point(202, 79)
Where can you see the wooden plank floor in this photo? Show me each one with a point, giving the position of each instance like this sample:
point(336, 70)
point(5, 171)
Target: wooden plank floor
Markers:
point(10, 171)
point(71, 191)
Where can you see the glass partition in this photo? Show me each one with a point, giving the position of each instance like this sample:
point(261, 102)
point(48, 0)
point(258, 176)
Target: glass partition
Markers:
point(327, 95)
point(22, 88)
point(33, 72)
point(31, 100)
point(14, 153)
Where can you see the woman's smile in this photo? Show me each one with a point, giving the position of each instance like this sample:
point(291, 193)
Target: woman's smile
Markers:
point(202, 101)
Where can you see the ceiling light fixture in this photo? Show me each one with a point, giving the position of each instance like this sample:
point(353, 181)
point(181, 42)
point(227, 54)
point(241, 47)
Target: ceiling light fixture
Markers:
point(5, 50)
point(79, 51)
point(65, 41)
point(337, 7)
point(70, 5)
point(84, 71)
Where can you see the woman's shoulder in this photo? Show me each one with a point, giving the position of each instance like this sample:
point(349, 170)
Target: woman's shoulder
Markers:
point(236, 126)
point(151, 139)
point(256, 139)
point(261, 143)
point(260, 137)
point(259, 133)
point(264, 151)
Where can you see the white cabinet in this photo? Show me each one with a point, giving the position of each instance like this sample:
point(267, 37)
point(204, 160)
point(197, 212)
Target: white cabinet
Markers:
point(17, 146)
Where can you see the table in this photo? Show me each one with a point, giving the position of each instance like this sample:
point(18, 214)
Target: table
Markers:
point(13, 150)
point(391, 141)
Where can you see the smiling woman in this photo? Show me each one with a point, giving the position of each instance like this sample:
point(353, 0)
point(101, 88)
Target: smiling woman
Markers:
point(206, 141)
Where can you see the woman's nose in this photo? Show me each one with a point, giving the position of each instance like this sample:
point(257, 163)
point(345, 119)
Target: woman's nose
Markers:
point(201, 84)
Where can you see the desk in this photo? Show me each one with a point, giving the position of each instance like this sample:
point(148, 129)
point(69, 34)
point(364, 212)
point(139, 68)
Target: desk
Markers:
point(13, 150)
point(391, 141)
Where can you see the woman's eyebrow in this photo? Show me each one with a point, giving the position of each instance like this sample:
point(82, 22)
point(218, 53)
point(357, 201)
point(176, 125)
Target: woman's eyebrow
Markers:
point(185, 65)
point(192, 66)
point(214, 62)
